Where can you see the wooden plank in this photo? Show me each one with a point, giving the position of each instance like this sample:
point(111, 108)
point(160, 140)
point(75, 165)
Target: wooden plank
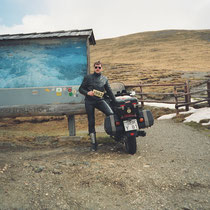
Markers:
point(71, 125)
point(198, 83)
point(151, 85)
point(88, 57)
point(139, 93)
point(153, 101)
point(41, 110)
point(195, 92)
point(190, 103)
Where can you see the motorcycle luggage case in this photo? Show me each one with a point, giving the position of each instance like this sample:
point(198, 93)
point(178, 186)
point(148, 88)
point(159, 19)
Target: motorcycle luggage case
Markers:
point(127, 102)
point(148, 118)
point(110, 125)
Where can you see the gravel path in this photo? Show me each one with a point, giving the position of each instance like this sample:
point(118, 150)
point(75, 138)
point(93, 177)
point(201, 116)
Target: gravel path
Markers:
point(179, 158)
point(171, 170)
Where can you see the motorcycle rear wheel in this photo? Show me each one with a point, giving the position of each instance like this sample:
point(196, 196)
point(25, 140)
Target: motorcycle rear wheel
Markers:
point(130, 145)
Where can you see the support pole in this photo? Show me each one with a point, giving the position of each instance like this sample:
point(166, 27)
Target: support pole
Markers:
point(176, 100)
point(208, 91)
point(187, 96)
point(71, 125)
point(141, 97)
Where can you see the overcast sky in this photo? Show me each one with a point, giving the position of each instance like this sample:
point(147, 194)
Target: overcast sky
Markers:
point(107, 18)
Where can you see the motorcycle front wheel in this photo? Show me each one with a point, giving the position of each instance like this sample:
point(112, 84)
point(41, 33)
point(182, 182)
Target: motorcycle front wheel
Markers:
point(130, 145)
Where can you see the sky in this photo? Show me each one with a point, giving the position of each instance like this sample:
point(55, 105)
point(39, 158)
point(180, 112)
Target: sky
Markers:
point(107, 18)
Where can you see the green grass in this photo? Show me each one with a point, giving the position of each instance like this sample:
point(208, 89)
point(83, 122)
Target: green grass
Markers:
point(200, 127)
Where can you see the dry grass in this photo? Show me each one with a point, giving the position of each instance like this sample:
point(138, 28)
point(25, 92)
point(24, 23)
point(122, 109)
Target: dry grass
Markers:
point(150, 57)
point(31, 127)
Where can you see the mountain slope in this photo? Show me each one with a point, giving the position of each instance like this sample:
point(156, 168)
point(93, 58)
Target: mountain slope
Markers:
point(153, 55)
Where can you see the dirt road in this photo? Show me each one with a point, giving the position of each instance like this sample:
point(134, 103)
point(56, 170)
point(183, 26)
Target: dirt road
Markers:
point(171, 170)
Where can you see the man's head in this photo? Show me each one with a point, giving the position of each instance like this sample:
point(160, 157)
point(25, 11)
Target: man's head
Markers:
point(97, 67)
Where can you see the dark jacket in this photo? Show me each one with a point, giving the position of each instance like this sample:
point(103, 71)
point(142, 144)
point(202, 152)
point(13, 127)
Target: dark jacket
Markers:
point(97, 82)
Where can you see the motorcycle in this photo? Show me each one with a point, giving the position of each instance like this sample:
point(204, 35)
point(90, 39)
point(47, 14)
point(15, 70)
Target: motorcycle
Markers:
point(128, 120)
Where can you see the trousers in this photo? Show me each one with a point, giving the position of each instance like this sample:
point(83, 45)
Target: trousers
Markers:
point(90, 109)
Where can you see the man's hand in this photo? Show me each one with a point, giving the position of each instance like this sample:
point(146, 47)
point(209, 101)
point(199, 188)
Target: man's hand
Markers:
point(90, 93)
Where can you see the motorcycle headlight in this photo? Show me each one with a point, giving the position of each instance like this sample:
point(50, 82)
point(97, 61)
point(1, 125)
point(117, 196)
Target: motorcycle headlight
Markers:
point(128, 110)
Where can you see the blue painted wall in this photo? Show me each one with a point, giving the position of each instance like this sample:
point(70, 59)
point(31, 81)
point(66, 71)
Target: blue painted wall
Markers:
point(43, 63)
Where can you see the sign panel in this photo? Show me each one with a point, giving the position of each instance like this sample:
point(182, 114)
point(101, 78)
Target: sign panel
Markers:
point(42, 71)
point(41, 63)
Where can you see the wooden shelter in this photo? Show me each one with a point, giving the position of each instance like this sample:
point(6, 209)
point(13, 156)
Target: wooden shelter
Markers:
point(40, 73)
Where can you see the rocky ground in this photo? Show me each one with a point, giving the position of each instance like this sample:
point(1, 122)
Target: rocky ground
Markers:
point(169, 171)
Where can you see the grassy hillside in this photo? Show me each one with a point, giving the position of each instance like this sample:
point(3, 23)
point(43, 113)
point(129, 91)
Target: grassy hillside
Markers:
point(154, 56)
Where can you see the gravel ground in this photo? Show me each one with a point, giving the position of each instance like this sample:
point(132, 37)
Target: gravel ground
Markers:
point(171, 170)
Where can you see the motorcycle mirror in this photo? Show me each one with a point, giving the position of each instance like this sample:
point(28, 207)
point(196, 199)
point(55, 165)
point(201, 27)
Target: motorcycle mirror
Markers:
point(133, 93)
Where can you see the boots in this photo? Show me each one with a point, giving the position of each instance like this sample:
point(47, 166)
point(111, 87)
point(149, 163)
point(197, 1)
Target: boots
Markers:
point(94, 144)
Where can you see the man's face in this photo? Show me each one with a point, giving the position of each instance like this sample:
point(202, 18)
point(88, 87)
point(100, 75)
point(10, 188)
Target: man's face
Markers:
point(98, 69)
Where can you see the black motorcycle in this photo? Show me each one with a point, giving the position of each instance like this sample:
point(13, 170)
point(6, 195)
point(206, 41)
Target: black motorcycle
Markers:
point(128, 120)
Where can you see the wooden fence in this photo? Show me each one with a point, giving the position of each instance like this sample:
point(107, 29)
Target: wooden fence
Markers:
point(185, 93)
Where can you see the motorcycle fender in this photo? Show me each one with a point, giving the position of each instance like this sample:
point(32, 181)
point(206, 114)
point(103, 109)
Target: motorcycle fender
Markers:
point(131, 133)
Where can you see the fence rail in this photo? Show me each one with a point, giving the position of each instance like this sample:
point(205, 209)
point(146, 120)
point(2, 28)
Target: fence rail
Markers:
point(187, 93)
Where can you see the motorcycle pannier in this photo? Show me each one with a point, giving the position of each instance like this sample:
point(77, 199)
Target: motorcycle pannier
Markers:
point(112, 125)
point(127, 105)
point(148, 118)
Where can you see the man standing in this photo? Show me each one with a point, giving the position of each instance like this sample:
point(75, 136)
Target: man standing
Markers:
point(93, 87)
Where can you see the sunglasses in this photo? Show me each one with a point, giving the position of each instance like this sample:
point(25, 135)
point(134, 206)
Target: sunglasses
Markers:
point(97, 67)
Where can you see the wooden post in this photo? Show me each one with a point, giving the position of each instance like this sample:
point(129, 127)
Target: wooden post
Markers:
point(71, 125)
point(176, 100)
point(187, 97)
point(208, 91)
point(142, 98)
